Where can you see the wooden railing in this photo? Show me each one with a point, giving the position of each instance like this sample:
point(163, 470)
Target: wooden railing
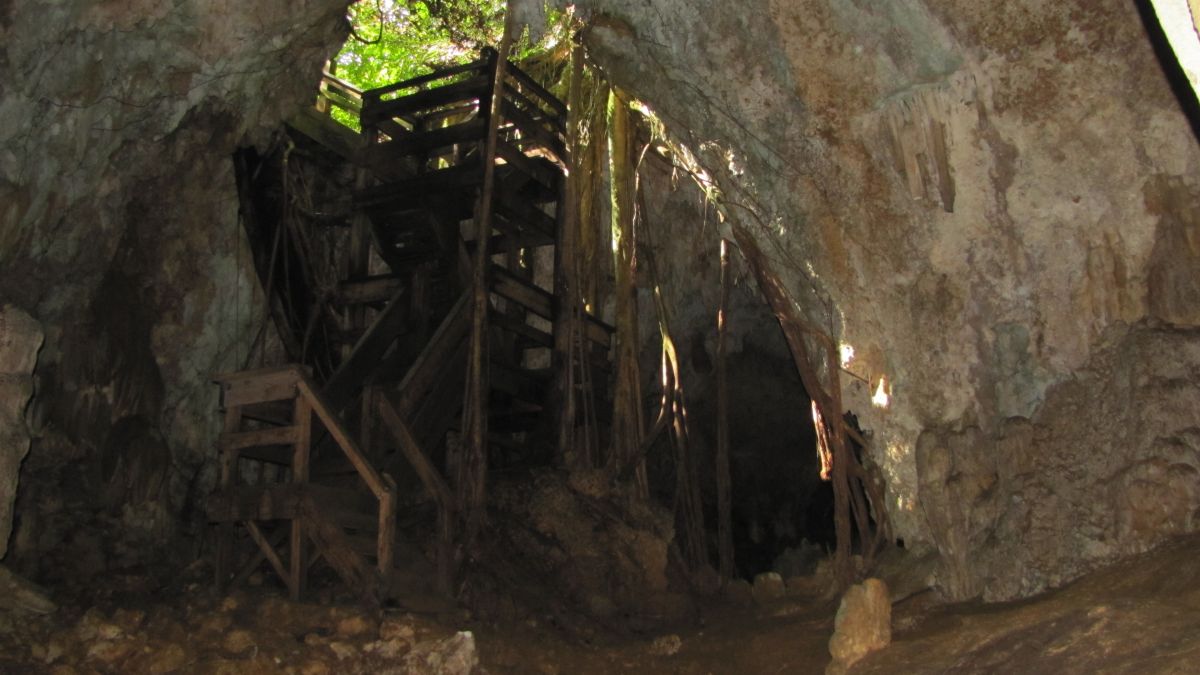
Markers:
point(336, 93)
point(286, 441)
point(380, 484)
point(431, 113)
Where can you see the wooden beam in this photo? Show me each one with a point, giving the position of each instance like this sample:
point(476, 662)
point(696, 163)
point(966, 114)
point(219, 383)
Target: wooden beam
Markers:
point(259, 386)
point(239, 440)
point(342, 437)
point(430, 363)
point(269, 553)
point(426, 471)
point(348, 379)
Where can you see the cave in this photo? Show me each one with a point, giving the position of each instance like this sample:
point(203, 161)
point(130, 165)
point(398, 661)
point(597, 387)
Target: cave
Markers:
point(599, 336)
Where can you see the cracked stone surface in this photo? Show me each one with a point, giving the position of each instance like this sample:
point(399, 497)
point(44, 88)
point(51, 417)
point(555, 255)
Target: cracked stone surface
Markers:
point(118, 216)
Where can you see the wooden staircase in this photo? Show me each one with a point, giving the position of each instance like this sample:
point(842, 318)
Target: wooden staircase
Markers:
point(308, 451)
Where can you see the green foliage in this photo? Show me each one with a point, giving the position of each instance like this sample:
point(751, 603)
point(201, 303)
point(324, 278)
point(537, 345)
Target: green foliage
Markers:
point(393, 40)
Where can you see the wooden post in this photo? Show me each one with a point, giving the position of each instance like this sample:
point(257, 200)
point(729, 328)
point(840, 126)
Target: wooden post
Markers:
point(302, 419)
point(358, 253)
point(366, 426)
point(472, 474)
point(387, 527)
point(228, 473)
point(724, 481)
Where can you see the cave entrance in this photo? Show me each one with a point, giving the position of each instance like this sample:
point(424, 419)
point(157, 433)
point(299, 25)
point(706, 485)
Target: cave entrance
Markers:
point(782, 511)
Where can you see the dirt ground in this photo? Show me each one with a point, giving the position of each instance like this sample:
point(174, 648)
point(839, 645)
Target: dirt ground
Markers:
point(1140, 616)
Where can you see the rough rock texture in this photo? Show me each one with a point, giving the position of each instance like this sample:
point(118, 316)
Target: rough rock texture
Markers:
point(992, 204)
point(863, 624)
point(604, 550)
point(20, 340)
point(119, 230)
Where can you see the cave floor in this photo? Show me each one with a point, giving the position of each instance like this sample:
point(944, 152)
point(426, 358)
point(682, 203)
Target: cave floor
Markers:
point(1142, 615)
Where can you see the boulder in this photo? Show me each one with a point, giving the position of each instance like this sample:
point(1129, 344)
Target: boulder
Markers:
point(863, 624)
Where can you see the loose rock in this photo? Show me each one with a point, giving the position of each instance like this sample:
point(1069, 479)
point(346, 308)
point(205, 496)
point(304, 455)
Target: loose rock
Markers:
point(863, 624)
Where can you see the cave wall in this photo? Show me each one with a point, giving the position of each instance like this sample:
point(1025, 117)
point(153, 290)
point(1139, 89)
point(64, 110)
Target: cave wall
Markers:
point(119, 233)
point(996, 206)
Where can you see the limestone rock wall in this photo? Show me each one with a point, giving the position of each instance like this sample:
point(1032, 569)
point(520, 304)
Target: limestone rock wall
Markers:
point(119, 227)
point(995, 206)
point(20, 340)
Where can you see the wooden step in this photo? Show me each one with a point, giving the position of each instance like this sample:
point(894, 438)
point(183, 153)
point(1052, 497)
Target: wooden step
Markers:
point(535, 337)
point(263, 385)
point(455, 180)
point(278, 413)
point(368, 290)
point(268, 436)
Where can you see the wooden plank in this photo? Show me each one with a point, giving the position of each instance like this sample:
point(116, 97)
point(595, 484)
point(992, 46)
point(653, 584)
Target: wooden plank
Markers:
point(438, 411)
point(426, 471)
point(538, 170)
point(528, 82)
point(277, 538)
point(451, 179)
point(241, 376)
point(517, 325)
point(470, 131)
point(470, 89)
point(337, 551)
point(330, 134)
point(272, 454)
point(369, 290)
point(302, 441)
point(240, 440)
point(348, 379)
point(269, 553)
point(512, 241)
point(530, 129)
point(259, 386)
point(430, 363)
point(342, 437)
point(537, 111)
point(376, 94)
point(386, 544)
point(527, 214)
point(534, 298)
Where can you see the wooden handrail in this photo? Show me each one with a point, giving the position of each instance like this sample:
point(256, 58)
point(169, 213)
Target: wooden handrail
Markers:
point(341, 93)
point(381, 484)
point(380, 92)
point(375, 482)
